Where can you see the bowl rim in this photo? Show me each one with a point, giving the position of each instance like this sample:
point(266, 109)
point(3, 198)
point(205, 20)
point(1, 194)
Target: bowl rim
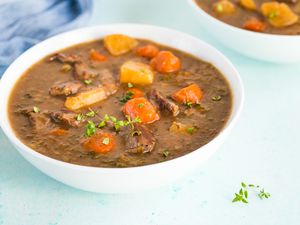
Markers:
point(16, 142)
point(197, 8)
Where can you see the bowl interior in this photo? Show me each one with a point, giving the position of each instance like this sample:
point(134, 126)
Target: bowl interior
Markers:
point(164, 36)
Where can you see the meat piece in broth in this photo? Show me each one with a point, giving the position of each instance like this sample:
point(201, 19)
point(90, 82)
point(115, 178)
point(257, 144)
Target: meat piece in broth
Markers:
point(65, 118)
point(140, 139)
point(108, 82)
point(64, 58)
point(37, 120)
point(84, 72)
point(65, 88)
point(163, 102)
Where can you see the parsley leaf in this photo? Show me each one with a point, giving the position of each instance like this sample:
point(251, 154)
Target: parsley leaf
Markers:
point(36, 109)
point(90, 129)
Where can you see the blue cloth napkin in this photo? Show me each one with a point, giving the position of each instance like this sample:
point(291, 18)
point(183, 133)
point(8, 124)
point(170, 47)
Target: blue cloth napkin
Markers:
point(25, 23)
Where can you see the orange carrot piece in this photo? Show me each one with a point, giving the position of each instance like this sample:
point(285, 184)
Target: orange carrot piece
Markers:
point(165, 62)
point(94, 55)
point(58, 132)
point(254, 24)
point(100, 143)
point(137, 93)
point(148, 51)
point(190, 94)
point(141, 108)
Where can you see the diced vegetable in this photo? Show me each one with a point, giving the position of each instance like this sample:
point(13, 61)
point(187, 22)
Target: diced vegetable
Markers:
point(119, 44)
point(136, 73)
point(141, 108)
point(248, 4)
point(58, 132)
point(191, 94)
point(96, 56)
point(148, 51)
point(165, 62)
point(224, 7)
point(85, 99)
point(279, 14)
point(100, 143)
point(136, 93)
point(254, 24)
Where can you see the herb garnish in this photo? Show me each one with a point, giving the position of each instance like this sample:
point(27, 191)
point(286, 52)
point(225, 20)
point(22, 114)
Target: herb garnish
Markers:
point(36, 109)
point(130, 85)
point(190, 130)
point(242, 196)
point(90, 129)
point(91, 113)
point(106, 141)
point(189, 104)
point(273, 15)
point(140, 105)
point(166, 153)
point(216, 98)
point(128, 95)
point(79, 117)
point(118, 123)
point(87, 82)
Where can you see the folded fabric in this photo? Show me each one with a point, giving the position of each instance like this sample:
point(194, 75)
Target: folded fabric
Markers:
point(25, 23)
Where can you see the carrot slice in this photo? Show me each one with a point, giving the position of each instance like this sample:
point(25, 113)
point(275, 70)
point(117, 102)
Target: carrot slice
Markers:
point(141, 108)
point(100, 143)
point(165, 62)
point(136, 93)
point(94, 55)
point(190, 94)
point(148, 51)
point(58, 132)
point(254, 24)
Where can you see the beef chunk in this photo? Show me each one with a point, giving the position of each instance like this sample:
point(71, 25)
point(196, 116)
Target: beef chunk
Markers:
point(108, 82)
point(37, 120)
point(65, 88)
point(83, 72)
point(65, 118)
point(163, 102)
point(140, 139)
point(64, 58)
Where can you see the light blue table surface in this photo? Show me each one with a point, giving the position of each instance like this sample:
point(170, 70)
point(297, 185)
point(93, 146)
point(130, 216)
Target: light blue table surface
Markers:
point(263, 149)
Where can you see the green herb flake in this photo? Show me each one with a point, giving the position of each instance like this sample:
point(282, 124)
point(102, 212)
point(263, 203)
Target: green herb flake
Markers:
point(106, 141)
point(216, 98)
point(272, 15)
point(87, 82)
point(91, 113)
point(129, 85)
point(80, 117)
point(90, 129)
point(36, 109)
point(140, 105)
point(166, 153)
point(189, 104)
point(190, 130)
point(128, 95)
point(102, 124)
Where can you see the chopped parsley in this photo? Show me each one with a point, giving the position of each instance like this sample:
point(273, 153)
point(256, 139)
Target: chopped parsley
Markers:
point(273, 15)
point(140, 105)
point(91, 113)
point(242, 195)
point(80, 117)
point(87, 82)
point(118, 123)
point(90, 129)
point(166, 153)
point(128, 95)
point(129, 85)
point(36, 109)
point(106, 141)
point(189, 104)
point(216, 98)
point(190, 130)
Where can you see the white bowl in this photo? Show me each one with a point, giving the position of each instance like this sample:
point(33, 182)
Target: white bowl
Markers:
point(266, 47)
point(117, 180)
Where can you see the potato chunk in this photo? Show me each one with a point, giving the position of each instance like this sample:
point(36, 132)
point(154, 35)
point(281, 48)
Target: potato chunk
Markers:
point(119, 44)
point(85, 99)
point(136, 73)
point(248, 4)
point(224, 7)
point(279, 14)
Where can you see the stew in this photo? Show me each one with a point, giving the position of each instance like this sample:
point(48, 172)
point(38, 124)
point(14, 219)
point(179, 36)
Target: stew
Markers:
point(273, 17)
point(119, 102)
